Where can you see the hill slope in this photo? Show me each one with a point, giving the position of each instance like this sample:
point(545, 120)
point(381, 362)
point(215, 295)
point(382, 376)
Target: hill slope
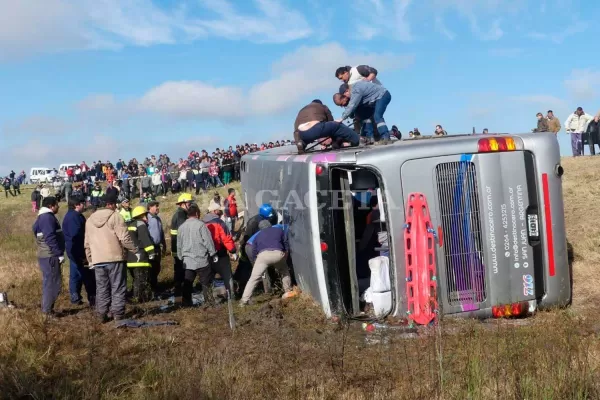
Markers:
point(287, 350)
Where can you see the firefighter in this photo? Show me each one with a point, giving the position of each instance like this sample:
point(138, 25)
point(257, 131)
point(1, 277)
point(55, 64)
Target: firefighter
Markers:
point(140, 266)
point(179, 217)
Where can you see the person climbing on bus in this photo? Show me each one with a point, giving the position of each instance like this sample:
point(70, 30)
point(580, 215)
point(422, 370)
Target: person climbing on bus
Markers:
point(314, 121)
point(351, 75)
point(366, 93)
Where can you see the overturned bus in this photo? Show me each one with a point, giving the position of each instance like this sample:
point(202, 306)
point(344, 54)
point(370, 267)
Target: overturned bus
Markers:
point(474, 225)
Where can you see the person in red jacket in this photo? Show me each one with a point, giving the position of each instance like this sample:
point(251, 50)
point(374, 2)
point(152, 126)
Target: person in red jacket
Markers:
point(223, 244)
point(231, 212)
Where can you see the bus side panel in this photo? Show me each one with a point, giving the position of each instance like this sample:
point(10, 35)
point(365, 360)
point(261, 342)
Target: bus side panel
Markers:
point(285, 185)
point(557, 276)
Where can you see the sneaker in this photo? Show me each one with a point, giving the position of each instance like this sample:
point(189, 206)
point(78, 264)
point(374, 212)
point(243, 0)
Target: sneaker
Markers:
point(246, 303)
point(290, 294)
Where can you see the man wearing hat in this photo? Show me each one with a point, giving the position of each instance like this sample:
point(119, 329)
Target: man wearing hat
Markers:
point(224, 243)
point(179, 217)
point(106, 240)
point(269, 249)
point(576, 125)
point(155, 227)
point(139, 263)
point(125, 210)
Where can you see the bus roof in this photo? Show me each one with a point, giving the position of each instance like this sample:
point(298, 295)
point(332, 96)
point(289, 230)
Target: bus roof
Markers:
point(290, 153)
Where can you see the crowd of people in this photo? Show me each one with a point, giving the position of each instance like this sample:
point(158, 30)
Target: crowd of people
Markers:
point(118, 238)
point(116, 241)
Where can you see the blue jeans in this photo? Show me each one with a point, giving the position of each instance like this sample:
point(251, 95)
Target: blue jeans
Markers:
point(380, 107)
point(365, 114)
point(337, 131)
point(81, 276)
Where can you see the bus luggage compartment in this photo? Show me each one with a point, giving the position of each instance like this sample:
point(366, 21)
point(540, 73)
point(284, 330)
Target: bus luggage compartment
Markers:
point(485, 208)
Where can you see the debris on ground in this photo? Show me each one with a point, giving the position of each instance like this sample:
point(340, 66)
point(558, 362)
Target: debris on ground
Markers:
point(133, 323)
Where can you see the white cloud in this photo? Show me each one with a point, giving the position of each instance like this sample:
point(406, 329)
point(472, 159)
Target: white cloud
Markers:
point(560, 36)
point(440, 26)
point(27, 28)
point(276, 24)
point(374, 19)
point(509, 52)
point(541, 100)
point(306, 71)
point(193, 99)
point(36, 125)
point(583, 84)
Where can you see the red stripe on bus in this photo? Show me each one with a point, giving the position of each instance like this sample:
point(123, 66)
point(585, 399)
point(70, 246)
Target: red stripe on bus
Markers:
point(548, 215)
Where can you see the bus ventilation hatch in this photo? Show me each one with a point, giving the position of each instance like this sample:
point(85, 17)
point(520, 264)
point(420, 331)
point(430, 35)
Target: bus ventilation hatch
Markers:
point(419, 246)
point(461, 226)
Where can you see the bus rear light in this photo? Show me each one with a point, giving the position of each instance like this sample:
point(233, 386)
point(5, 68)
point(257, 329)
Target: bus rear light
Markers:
point(496, 144)
point(510, 310)
point(548, 222)
point(319, 169)
point(324, 247)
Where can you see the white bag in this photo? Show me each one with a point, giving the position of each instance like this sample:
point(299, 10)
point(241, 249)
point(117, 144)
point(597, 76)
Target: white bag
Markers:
point(380, 274)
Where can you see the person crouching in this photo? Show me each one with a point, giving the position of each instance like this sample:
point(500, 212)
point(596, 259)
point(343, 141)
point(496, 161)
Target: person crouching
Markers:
point(196, 250)
point(269, 249)
point(139, 264)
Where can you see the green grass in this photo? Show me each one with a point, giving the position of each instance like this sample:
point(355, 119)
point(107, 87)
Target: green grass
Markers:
point(288, 350)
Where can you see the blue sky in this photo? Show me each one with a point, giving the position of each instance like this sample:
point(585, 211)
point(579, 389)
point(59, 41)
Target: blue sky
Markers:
point(102, 79)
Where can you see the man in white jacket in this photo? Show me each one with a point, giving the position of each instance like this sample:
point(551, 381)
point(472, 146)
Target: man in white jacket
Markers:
point(576, 125)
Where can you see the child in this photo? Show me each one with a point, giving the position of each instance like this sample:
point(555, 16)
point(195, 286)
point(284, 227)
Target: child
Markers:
point(231, 212)
point(36, 199)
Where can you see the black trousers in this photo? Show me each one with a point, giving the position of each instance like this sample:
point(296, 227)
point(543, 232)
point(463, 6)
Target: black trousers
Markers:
point(205, 276)
point(156, 268)
point(178, 275)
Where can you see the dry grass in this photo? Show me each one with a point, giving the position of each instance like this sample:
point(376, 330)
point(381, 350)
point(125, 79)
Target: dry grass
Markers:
point(288, 350)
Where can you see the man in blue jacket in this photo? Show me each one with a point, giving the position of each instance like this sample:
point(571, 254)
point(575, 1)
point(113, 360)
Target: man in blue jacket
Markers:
point(270, 248)
point(79, 272)
point(50, 252)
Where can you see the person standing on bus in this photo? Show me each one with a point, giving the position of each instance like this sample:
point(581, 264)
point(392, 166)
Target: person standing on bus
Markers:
point(553, 122)
point(351, 75)
point(366, 93)
point(576, 125)
point(314, 121)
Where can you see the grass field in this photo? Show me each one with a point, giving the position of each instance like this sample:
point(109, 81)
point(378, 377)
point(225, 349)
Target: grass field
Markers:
point(288, 350)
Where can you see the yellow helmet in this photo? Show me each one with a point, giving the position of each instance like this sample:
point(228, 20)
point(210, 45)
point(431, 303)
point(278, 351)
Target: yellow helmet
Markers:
point(138, 211)
point(184, 198)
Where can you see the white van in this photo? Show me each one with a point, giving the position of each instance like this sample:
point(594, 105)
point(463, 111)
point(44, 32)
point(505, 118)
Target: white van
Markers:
point(40, 175)
point(62, 169)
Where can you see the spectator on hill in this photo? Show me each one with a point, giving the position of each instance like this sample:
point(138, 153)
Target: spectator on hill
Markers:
point(79, 271)
point(576, 125)
point(36, 199)
point(106, 240)
point(50, 252)
point(593, 135)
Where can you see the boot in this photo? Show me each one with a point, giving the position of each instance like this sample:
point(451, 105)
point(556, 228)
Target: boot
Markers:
point(299, 142)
